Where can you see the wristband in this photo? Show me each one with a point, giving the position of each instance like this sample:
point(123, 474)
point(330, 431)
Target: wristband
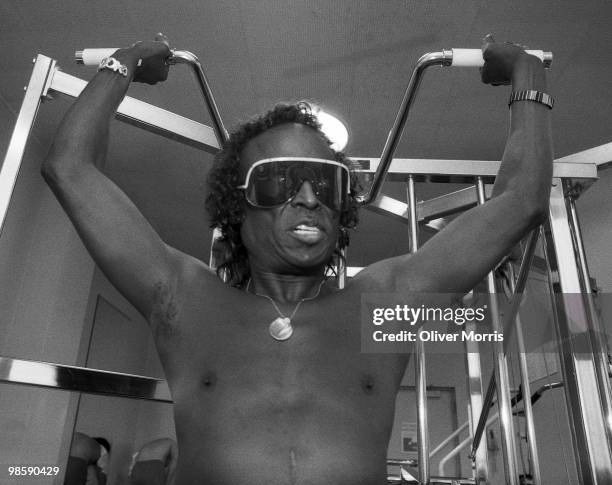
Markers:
point(114, 65)
point(531, 95)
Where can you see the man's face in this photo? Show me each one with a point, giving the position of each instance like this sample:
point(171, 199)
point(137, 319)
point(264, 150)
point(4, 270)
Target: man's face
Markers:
point(298, 237)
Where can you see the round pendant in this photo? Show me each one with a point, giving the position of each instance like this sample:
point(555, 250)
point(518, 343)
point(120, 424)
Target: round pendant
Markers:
point(281, 329)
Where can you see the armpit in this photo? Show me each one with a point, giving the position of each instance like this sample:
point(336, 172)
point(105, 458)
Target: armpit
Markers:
point(164, 312)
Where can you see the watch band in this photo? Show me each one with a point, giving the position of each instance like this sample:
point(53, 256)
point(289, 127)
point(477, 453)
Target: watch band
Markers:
point(532, 95)
point(114, 65)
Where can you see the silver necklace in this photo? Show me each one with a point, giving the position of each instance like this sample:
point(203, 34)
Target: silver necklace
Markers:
point(281, 329)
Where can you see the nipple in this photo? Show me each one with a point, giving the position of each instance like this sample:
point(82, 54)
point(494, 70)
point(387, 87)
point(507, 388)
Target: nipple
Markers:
point(367, 384)
point(209, 380)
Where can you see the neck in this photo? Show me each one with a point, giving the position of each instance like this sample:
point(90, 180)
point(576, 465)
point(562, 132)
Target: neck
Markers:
point(285, 288)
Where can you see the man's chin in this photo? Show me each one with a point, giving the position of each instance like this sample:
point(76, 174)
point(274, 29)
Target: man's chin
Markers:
point(309, 263)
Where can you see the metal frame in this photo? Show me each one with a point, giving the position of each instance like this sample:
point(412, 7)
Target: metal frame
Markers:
point(526, 384)
point(420, 370)
point(82, 379)
point(475, 405)
point(143, 115)
point(502, 379)
point(43, 68)
point(578, 348)
point(581, 350)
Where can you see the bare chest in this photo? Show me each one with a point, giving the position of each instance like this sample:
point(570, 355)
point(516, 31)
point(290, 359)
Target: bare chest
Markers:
point(217, 349)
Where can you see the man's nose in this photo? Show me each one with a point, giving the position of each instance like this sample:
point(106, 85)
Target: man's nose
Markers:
point(306, 196)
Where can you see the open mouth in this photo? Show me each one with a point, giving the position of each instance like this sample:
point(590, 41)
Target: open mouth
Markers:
point(308, 233)
point(305, 229)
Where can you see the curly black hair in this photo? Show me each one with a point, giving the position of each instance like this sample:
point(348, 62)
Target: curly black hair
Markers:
point(225, 203)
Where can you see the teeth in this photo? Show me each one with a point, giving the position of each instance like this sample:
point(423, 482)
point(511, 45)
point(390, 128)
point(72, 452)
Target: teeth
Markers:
point(302, 227)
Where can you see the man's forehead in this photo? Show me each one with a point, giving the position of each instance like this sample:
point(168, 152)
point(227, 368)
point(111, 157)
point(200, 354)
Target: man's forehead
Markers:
point(286, 140)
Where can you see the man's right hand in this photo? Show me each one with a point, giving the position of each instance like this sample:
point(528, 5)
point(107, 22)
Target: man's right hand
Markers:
point(153, 56)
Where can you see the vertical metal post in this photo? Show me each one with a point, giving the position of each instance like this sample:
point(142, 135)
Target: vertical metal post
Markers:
point(474, 387)
point(502, 380)
point(587, 417)
point(526, 386)
point(341, 269)
point(598, 333)
point(43, 67)
point(419, 360)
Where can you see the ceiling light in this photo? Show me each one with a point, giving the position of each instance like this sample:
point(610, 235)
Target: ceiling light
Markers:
point(333, 128)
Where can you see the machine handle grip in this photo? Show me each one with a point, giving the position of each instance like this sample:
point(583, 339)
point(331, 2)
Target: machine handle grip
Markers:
point(473, 57)
point(93, 57)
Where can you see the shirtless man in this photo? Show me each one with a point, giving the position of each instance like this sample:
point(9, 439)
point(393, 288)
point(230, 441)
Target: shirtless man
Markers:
point(311, 409)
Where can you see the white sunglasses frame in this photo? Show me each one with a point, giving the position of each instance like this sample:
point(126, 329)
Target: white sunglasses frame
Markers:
point(293, 159)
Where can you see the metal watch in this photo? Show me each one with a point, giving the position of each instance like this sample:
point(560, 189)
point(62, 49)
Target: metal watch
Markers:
point(114, 65)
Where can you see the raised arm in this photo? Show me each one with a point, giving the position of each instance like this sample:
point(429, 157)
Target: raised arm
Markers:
point(457, 258)
point(121, 241)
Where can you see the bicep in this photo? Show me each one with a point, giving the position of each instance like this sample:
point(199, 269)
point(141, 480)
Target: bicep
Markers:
point(121, 241)
point(459, 257)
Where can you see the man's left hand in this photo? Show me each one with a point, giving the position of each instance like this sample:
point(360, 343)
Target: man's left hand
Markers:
point(500, 60)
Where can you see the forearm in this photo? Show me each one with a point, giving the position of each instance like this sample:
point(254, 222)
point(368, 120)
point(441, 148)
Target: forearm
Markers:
point(526, 169)
point(82, 137)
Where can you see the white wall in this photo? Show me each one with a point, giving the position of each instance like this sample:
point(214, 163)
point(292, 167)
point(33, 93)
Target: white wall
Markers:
point(595, 213)
point(45, 275)
point(121, 342)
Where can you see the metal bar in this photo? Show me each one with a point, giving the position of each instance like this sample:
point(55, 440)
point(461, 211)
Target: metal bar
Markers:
point(193, 133)
point(600, 156)
point(82, 379)
point(501, 376)
point(460, 171)
point(488, 402)
point(474, 387)
point(598, 333)
point(351, 271)
point(429, 59)
point(146, 116)
point(526, 385)
point(401, 462)
point(449, 438)
point(94, 56)
point(449, 204)
point(186, 57)
point(428, 210)
point(582, 393)
point(540, 391)
point(519, 287)
point(414, 226)
point(341, 269)
point(509, 317)
point(196, 134)
point(390, 207)
point(419, 361)
point(9, 172)
point(465, 443)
